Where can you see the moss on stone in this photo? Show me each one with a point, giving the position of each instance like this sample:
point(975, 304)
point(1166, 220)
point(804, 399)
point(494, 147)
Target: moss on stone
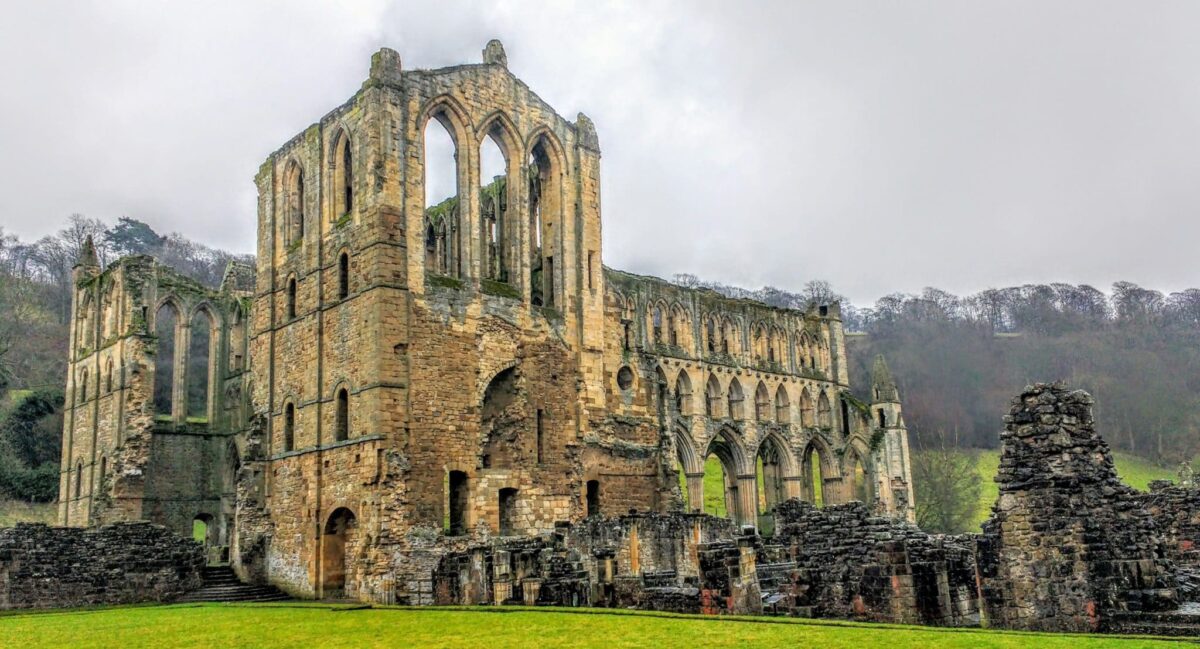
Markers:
point(442, 281)
point(500, 289)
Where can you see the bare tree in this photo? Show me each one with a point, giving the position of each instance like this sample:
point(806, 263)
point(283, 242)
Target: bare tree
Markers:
point(947, 484)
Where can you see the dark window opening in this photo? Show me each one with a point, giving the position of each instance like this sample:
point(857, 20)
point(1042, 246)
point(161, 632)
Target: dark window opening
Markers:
point(347, 177)
point(549, 297)
point(343, 276)
point(508, 511)
point(342, 425)
point(289, 427)
point(456, 505)
point(291, 298)
point(540, 436)
point(882, 419)
point(590, 265)
point(845, 418)
point(593, 498)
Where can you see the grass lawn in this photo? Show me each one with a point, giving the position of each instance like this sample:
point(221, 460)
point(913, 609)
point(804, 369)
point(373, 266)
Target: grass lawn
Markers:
point(17, 511)
point(1135, 471)
point(303, 625)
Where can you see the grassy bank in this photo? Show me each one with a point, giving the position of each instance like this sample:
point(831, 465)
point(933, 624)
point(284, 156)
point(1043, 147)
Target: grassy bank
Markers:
point(16, 511)
point(302, 625)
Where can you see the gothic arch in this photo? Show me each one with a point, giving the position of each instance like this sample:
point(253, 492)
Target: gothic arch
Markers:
point(824, 410)
point(342, 159)
point(762, 403)
point(293, 203)
point(713, 396)
point(783, 405)
point(683, 393)
point(737, 400)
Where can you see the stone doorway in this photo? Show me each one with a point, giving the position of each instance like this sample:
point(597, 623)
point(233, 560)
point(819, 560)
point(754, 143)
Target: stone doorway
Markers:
point(339, 535)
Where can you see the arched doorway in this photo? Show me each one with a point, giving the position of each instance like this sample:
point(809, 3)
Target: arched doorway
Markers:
point(339, 535)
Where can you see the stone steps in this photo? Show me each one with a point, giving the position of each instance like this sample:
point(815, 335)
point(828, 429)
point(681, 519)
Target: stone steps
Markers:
point(221, 584)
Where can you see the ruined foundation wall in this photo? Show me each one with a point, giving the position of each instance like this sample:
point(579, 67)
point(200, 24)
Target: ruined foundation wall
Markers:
point(1068, 544)
point(843, 562)
point(836, 562)
point(1176, 510)
point(123, 563)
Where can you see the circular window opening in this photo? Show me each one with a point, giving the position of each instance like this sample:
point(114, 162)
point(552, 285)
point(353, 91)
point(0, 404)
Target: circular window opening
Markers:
point(625, 378)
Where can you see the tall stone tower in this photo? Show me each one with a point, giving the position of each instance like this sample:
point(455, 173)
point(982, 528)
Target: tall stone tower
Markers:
point(894, 473)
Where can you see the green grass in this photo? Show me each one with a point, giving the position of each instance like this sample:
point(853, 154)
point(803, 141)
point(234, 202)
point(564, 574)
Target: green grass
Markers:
point(305, 625)
point(17, 511)
point(1135, 471)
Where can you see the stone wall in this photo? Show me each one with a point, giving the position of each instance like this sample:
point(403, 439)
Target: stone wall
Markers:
point(1067, 544)
point(1176, 509)
point(842, 562)
point(836, 562)
point(122, 563)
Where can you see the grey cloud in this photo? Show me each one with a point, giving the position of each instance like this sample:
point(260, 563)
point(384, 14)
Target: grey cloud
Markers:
point(881, 146)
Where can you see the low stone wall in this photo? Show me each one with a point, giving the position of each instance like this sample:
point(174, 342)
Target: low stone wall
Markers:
point(123, 563)
point(843, 562)
point(1068, 545)
point(836, 562)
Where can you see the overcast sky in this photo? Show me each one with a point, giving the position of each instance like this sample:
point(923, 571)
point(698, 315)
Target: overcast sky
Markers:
point(883, 146)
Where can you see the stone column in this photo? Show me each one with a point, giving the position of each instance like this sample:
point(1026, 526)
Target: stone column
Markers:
point(695, 491)
point(747, 492)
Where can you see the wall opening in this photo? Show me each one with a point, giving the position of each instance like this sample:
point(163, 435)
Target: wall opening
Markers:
point(505, 421)
point(343, 176)
point(289, 427)
point(442, 208)
point(340, 533)
point(508, 511)
point(545, 200)
point(593, 497)
point(290, 307)
point(493, 206)
point(769, 475)
point(343, 291)
point(720, 480)
point(341, 426)
point(199, 367)
point(457, 498)
point(814, 483)
point(165, 326)
point(540, 425)
point(860, 481)
point(202, 529)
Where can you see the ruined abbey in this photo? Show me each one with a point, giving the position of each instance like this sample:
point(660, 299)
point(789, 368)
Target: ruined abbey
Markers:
point(395, 380)
point(453, 401)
